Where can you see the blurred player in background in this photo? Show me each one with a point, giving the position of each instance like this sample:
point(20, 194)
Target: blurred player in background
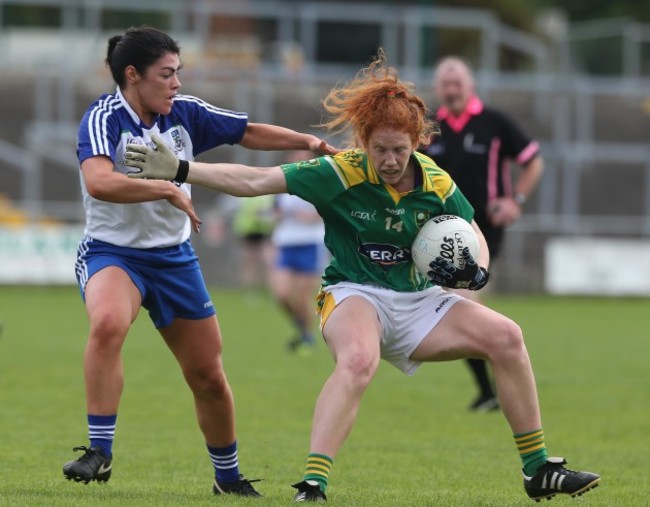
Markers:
point(137, 252)
point(476, 146)
point(300, 259)
point(253, 224)
point(374, 303)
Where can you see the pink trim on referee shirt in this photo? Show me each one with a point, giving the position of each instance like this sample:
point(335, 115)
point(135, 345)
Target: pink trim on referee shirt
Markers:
point(493, 169)
point(528, 153)
point(457, 123)
point(507, 180)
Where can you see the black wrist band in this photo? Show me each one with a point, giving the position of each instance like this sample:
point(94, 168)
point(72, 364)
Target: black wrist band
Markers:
point(183, 170)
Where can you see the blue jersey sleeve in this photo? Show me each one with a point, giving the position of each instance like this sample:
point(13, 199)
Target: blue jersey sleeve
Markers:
point(209, 126)
point(99, 130)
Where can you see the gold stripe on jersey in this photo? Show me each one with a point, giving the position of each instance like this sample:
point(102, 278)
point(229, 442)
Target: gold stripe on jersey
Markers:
point(435, 179)
point(350, 168)
point(353, 167)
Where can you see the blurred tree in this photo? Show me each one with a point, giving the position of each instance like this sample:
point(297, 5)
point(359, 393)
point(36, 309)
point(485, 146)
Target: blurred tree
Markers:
point(602, 52)
point(52, 16)
point(30, 15)
point(115, 19)
point(467, 43)
point(582, 10)
point(515, 13)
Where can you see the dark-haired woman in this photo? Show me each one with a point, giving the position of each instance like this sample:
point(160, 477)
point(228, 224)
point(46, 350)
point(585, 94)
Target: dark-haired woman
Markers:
point(136, 251)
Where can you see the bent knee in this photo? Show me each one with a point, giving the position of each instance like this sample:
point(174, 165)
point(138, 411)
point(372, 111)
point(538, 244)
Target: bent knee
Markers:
point(507, 337)
point(512, 333)
point(360, 367)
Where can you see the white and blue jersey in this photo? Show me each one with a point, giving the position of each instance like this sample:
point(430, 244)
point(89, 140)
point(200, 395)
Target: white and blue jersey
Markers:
point(149, 240)
point(300, 242)
point(192, 127)
point(290, 230)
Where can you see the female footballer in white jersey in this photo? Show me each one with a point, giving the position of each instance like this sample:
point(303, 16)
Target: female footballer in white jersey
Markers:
point(137, 253)
point(375, 304)
point(300, 259)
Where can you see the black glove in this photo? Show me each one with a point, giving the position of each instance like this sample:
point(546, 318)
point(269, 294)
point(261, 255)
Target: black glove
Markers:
point(446, 274)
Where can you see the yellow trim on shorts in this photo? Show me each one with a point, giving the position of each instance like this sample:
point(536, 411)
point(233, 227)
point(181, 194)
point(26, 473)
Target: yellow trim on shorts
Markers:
point(328, 304)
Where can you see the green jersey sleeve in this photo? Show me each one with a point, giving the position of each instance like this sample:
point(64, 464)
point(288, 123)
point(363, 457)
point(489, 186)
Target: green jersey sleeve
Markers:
point(314, 180)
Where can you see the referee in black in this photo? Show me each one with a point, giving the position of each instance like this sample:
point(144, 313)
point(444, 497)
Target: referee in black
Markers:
point(477, 145)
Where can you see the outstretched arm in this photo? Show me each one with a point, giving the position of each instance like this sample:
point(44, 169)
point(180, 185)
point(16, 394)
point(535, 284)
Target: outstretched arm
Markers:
point(262, 136)
point(235, 179)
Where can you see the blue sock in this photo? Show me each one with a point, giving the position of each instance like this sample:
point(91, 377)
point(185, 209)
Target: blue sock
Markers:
point(298, 325)
point(308, 338)
point(226, 465)
point(101, 431)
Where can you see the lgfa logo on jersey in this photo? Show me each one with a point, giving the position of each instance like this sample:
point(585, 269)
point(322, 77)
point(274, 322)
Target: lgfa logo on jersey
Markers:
point(364, 215)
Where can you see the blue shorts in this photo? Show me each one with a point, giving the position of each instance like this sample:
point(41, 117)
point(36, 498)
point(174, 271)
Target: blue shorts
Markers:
point(307, 259)
point(169, 279)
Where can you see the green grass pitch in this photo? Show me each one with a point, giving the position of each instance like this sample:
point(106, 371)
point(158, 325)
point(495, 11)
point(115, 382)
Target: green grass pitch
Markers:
point(414, 444)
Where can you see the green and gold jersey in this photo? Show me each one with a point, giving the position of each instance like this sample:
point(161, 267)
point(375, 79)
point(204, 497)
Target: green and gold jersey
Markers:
point(369, 226)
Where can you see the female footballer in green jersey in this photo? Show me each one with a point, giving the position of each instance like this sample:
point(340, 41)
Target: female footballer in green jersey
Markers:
point(373, 303)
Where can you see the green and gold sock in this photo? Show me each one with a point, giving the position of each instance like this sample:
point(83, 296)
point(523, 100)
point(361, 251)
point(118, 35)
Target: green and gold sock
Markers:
point(532, 450)
point(318, 469)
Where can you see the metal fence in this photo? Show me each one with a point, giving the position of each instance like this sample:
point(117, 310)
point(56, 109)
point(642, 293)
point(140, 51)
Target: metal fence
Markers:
point(593, 130)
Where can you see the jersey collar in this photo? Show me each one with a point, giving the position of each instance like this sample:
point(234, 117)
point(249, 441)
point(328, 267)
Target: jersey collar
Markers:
point(457, 123)
point(128, 108)
point(373, 177)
